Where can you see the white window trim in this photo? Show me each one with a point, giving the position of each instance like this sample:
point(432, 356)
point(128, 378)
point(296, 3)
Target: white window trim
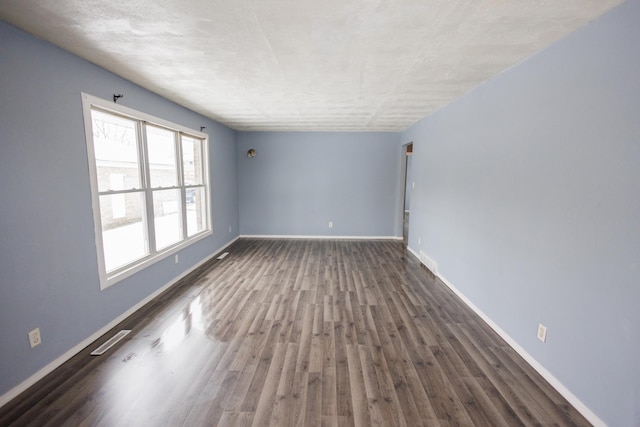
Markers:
point(106, 280)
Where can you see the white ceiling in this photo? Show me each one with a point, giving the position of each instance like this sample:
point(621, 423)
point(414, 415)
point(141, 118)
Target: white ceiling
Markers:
point(305, 64)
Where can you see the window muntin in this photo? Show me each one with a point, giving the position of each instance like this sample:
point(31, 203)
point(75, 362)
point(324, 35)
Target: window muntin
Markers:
point(149, 186)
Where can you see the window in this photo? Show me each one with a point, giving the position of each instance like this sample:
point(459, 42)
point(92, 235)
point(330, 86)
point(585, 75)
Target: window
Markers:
point(149, 182)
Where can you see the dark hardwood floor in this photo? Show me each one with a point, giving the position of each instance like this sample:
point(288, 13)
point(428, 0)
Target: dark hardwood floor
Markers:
point(298, 332)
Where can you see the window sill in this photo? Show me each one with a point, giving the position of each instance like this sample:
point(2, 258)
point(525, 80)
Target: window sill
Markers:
point(108, 280)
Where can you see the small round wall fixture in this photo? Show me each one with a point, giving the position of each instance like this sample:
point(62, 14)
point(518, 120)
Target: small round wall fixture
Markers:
point(251, 153)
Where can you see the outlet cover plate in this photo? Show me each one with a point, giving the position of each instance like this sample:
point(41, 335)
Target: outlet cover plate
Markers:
point(542, 332)
point(35, 338)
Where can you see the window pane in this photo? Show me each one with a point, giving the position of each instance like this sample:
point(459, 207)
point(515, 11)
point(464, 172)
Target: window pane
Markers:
point(116, 151)
point(123, 229)
point(161, 146)
point(166, 211)
point(192, 160)
point(196, 210)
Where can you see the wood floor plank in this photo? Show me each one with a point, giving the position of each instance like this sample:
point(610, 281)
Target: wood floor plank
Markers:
point(299, 332)
point(329, 388)
point(317, 340)
point(259, 378)
point(491, 370)
point(343, 386)
point(380, 410)
point(268, 393)
point(313, 406)
point(357, 387)
point(237, 419)
point(392, 363)
point(385, 387)
point(284, 395)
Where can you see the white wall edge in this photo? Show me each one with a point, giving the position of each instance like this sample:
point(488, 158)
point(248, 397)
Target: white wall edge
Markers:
point(23, 386)
point(553, 381)
point(294, 236)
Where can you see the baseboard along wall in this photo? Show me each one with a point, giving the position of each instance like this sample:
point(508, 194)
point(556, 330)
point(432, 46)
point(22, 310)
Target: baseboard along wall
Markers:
point(555, 383)
point(295, 236)
point(23, 386)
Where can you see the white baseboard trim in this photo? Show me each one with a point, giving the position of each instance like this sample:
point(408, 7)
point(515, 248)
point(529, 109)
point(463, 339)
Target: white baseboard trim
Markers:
point(294, 236)
point(15, 391)
point(555, 383)
point(414, 253)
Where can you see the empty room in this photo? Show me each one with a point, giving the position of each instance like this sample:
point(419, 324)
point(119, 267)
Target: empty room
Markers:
point(343, 213)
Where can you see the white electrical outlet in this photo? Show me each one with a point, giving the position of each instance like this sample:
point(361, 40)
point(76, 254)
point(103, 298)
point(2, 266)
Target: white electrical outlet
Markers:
point(176, 259)
point(330, 224)
point(229, 229)
point(542, 332)
point(419, 240)
point(413, 185)
point(35, 338)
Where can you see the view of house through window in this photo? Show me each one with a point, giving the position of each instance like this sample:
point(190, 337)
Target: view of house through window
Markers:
point(150, 186)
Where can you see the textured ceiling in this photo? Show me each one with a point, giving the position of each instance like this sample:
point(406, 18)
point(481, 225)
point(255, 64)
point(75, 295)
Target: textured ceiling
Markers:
point(302, 64)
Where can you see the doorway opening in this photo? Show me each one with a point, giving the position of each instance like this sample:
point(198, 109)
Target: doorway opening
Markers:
point(407, 153)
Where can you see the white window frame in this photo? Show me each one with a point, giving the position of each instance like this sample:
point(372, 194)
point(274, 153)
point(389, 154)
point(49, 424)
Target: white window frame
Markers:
point(111, 278)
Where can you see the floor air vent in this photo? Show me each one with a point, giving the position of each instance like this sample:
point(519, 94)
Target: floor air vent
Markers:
point(110, 342)
point(223, 255)
point(428, 262)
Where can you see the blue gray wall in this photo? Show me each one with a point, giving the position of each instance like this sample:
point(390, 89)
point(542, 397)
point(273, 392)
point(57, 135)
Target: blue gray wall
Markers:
point(48, 267)
point(528, 198)
point(299, 181)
